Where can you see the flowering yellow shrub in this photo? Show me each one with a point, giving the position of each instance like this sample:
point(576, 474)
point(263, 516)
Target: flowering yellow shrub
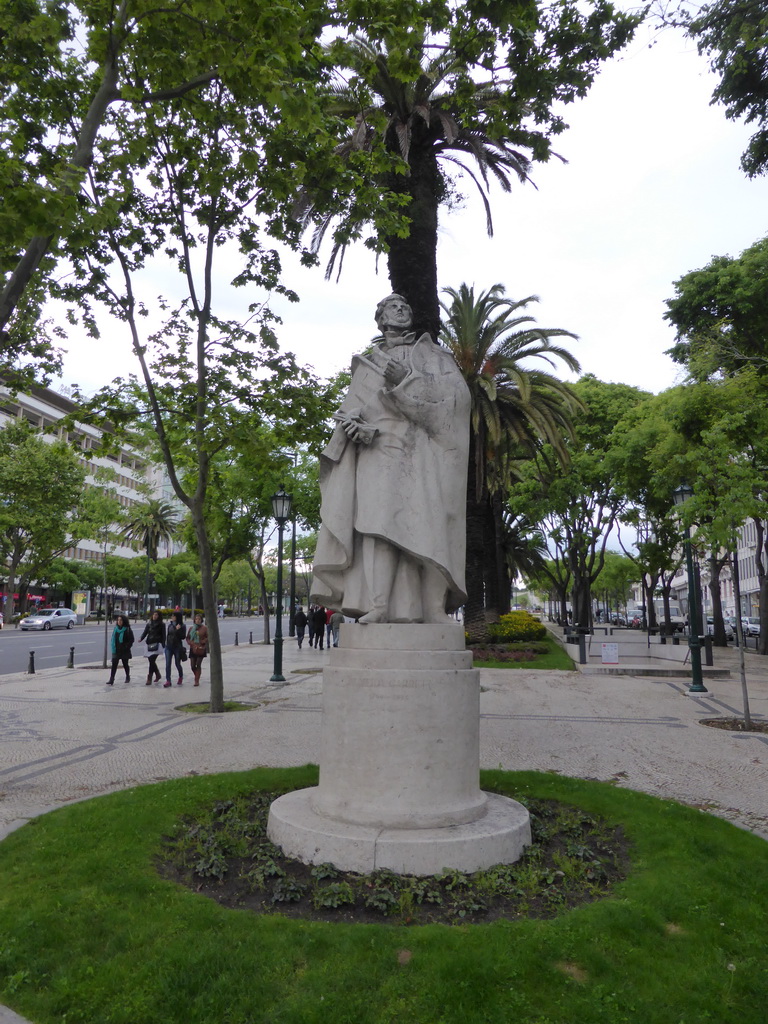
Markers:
point(519, 625)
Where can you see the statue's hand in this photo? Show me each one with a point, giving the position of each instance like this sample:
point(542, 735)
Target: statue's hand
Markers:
point(395, 373)
point(358, 431)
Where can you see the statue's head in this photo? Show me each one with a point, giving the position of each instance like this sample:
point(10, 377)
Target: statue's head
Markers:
point(393, 311)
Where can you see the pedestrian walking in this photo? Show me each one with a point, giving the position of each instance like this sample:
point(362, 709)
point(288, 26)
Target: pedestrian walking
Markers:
point(311, 624)
point(336, 620)
point(328, 627)
point(174, 647)
point(197, 638)
point(318, 620)
point(300, 622)
point(121, 643)
point(154, 633)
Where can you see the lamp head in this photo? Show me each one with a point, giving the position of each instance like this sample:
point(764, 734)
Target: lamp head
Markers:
point(281, 505)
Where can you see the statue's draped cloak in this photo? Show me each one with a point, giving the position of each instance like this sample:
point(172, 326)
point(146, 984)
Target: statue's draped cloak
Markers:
point(408, 486)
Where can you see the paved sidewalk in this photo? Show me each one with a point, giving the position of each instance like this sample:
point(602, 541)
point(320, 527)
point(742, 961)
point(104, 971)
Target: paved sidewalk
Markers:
point(67, 736)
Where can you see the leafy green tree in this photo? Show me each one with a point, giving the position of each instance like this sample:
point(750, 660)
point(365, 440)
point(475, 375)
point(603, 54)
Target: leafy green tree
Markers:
point(101, 518)
point(734, 34)
point(552, 577)
point(305, 553)
point(70, 574)
point(149, 524)
point(476, 86)
point(577, 507)
point(70, 73)
point(515, 409)
point(615, 579)
point(40, 485)
point(204, 380)
point(177, 576)
point(720, 314)
point(711, 436)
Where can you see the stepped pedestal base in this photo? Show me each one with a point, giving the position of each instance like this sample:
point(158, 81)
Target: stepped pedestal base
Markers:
point(399, 764)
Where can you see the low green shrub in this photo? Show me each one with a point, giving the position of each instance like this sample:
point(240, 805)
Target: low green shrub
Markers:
point(519, 625)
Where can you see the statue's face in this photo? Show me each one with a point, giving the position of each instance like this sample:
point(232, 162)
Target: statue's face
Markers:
point(395, 313)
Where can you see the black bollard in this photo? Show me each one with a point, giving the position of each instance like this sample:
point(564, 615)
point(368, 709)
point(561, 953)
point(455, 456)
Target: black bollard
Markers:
point(71, 662)
point(237, 642)
point(582, 649)
point(250, 637)
point(31, 665)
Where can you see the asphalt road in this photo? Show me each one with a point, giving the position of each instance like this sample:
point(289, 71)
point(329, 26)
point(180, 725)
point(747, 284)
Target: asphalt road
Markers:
point(51, 647)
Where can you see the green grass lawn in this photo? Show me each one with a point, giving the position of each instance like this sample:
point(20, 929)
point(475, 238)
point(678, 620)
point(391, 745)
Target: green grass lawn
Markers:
point(90, 934)
point(555, 658)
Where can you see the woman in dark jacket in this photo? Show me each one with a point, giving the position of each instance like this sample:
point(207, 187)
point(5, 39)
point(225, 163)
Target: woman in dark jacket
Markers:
point(154, 631)
point(122, 641)
point(174, 647)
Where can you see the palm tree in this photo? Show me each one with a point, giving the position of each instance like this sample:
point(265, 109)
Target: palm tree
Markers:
point(149, 525)
point(515, 409)
point(420, 125)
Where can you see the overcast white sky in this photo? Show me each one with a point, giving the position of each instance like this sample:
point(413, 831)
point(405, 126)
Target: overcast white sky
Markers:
point(652, 190)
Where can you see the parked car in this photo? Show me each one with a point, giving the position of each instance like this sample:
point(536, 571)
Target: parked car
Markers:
point(729, 630)
point(751, 625)
point(50, 618)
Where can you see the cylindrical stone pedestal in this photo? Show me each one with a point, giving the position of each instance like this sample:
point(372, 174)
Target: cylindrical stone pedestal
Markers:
point(399, 765)
point(401, 729)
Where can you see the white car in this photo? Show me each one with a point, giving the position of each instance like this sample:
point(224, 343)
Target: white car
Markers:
point(729, 634)
point(751, 625)
point(50, 618)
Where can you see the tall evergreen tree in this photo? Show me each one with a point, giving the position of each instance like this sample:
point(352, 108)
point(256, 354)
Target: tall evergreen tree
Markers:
point(515, 408)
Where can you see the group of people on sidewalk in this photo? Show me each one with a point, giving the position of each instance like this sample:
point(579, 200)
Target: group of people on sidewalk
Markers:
point(318, 623)
point(172, 638)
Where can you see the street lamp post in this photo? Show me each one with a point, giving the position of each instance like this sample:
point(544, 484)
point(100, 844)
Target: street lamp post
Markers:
point(281, 510)
point(292, 612)
point(681, 494)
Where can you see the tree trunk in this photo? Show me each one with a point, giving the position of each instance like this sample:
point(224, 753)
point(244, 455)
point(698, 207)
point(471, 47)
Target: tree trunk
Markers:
point(582, 600)
point(209, 606)
point(474, 609)
point(490, 563)
point(70, 177)
point(265, 605)
point(715, 568)
point(562, 594)
point(503, 570)
point(761, 551)
point(412, 261)
point(650, 607)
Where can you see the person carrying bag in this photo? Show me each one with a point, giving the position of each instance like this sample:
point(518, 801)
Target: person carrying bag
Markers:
point(154, 632)
point(197, 638)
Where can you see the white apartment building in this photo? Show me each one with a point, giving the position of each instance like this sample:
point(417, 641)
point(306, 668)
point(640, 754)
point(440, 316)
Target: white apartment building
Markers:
point(749, 583)
point(43, 408)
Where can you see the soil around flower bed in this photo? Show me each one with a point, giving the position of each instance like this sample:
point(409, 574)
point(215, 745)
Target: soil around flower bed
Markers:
point(501, 652)
point(225, 854)
point(734, 724)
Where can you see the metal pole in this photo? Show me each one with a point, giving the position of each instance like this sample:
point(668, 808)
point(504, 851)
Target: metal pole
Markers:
point(694, 642)
point(277, 675)
point(292, 610)
point(237, 641)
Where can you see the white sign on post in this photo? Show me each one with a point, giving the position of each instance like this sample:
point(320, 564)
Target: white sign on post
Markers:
point(609, 654)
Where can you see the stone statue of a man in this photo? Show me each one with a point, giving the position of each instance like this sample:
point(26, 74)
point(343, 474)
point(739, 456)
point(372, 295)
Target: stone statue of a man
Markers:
point(393, 481)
